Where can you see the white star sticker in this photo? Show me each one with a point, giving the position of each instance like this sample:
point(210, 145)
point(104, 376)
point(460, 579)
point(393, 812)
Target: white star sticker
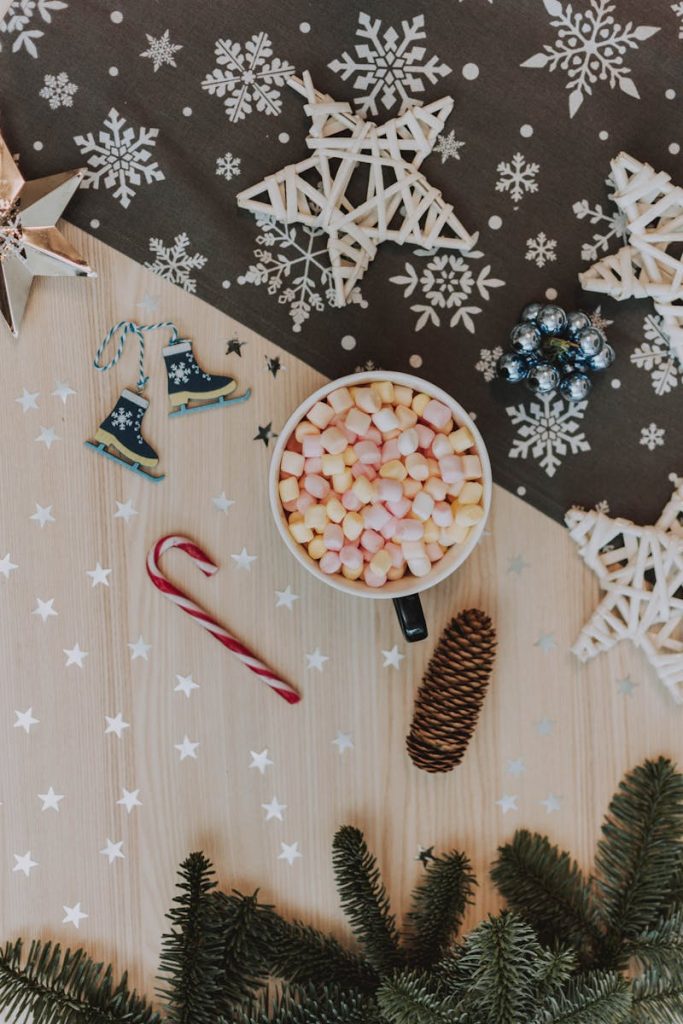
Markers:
point(626, 686)
point(43, 515)
point(28, 400)
point(62, 390)
point(187, 748)
point(50, 800)
point(116, 724)
point(7, 565)
point(545, 726)
point(260, 761)
point(552, 803)
point(45, 608)
point(274, 809)
point(125, 510)
point(129, 800)
point(546, 642)
point(25, 720)
point(343, 741)
point(244, 559)
point(508, 803)
point(24, 863)
point(517, 565)
point(139, 649)
point(392, 658)
point(516, 767)
point(112, 851)
point(73, 915)
point(316, 660)
point(285, 598)
point(75, 656)
point(98, 575)
point(222, 503)
point(289, 852)
point(47, 436)
point(149, 304)
point(186, 685)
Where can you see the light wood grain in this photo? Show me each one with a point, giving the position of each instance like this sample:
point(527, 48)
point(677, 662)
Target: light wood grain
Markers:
point(215, 802)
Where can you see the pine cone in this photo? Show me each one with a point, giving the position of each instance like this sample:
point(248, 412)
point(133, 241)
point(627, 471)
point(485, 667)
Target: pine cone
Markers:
point(452, 692)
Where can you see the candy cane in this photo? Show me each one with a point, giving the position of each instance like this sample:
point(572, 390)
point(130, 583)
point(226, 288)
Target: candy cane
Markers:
point(209, 568)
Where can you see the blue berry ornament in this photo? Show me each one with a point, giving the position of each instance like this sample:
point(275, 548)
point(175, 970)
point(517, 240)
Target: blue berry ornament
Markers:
point(512, 367)
point(590, 342)
point(603, 359)
point(543, 378)
point(551, 320)
point(576, 386)
point(531, 311)
point(525, 338)
point(577, 321)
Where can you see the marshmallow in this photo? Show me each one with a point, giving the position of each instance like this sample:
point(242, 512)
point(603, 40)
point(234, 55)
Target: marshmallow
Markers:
point(442, 514)
point(340, 400)
point(436, 487)
point(352, 574)
point(417, 467)
point(342, 481)
point(408, 442)
point(351, 557)
point(385, 419)
point(367, 452)
point(288, 489)
point(454, 534)
point(461, 440)
point(441, 446)
point(431, 533)
point(451, 468)
point(292, 463)
point(389, 490)
point(367, 400)
point(351, 501)
point(316, 485)
point(333, 537)
point(330, 465)
point(375, 517)
point(399, 508)
point(393, 470)
point(409, 530)
point(320, 414)
point(372, 579)
point(411, 487)
point(312, 446)
point(305, 429)
point(380, 562)
point(330, 562)
point(402, 395)
point(468, 515)
point(391, 450)
point(300, 532)
point(315, 518)
point(357, 421)
point(316, 548)
point(304, 501)
point(434, 552)
point(363, 489)
point(333, 440)
point(435, 413)
point(407, 418)
point(425, 435)
point(352, 526)
point(419, 403)
point(423, 504)
point(471, 466)
point(335, 510)
point(471, 493)
point(371, 541)
point(395, 554)
point(385, 390)
point(313, 466)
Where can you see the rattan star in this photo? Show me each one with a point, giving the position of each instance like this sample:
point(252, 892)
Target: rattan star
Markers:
point(640, 568)
point(30, 244)
point(646, 268)
point(362, 185)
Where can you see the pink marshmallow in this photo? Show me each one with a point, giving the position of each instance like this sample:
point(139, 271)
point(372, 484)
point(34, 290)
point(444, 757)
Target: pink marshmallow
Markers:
point(450, 468)
point(333, 441)
point(371, 541)
point(293, 506)
point(373, 434)
point(399, 508)
point(330, 562)
point(357, 421)
point(351, 501)
point(304, 501)
point(389, 490)
point(436, 413)
point(372, 579)
point(471, 465)
point(367, 451)
point(333, 537)
point(442, 514)
point(375, 517)
point(390, 450)
point(316, 485)
point(409, 530)
point(312, 446)
point(351, 557)
point(389, 529)
point(425, 436)
point(313, 465)
point(434, 552)
point(396, 555)
point(362, 469)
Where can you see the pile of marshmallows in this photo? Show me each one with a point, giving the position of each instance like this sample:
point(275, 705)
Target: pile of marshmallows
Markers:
point(378, 481)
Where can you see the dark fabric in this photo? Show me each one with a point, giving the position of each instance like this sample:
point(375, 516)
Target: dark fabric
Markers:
point(618, 449)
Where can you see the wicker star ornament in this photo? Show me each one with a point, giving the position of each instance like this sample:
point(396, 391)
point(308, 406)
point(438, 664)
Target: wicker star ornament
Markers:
point(362, 185)
point(640, 568)
point(30, 244)
point(651, 265)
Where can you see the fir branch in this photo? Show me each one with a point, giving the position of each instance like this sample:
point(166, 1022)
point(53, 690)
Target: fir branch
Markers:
point(191, 963)
point(244, 969)
point(308, 1005)
point(555, 968)
point(639, 852)
point(409, 997)
point(546, 887)
point(658, 998)
point(439, 902)
point(51, 987)
point(596, 998)
point(660, 948)
point(302, 955)
point(364, 899)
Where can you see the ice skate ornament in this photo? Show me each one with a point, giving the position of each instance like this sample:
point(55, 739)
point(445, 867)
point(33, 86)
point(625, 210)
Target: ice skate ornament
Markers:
point(400, 204)
point(640, 568)
point(30, 244)
point(190, 389)
point(645, 268)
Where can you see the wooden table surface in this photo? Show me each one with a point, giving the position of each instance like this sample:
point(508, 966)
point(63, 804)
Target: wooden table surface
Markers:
point(576, 728)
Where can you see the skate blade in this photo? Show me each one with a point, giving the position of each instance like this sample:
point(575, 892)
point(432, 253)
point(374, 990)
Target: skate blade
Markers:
point(185, 409)
point(134, 467)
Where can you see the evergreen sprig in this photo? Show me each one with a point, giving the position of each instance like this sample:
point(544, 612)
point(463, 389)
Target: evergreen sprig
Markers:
point(439, 903)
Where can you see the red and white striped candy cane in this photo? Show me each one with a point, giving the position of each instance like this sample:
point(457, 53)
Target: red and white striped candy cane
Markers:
point(172, 592)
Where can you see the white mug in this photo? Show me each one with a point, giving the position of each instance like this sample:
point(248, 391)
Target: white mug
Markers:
point(403, 591)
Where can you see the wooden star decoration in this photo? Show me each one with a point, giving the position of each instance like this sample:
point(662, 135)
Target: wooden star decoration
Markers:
point(646, 267)
point(30, 244)
point(640, 568)
point(362, 185)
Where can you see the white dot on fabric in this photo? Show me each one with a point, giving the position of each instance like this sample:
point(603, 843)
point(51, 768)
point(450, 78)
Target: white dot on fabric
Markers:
point(113, 71)
point(616, 383)
point(187, 111)
point(94, 223)
point(551, 293)
point(526, 131)
point(495, 222)
point(225, 284)
point(674, 149)
point(521, 490)
point(470, 72)
point(116, 17)
point(283, 137)
point(415, 361)
point(603, 136)
point(304, 27)
point(38, 145)
point(348, 342)
point(670, 94)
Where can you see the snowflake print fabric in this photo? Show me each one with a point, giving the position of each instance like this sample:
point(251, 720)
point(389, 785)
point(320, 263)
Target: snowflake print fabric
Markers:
point(172, 120)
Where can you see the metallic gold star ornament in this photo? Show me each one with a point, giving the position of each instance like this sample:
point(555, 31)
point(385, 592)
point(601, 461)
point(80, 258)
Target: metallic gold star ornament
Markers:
point(362, 185)
point(30, 244)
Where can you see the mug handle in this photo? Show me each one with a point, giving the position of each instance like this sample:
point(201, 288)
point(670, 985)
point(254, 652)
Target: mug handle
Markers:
point(411, 617)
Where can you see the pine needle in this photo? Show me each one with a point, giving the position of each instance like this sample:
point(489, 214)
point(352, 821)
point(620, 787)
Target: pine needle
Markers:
point(590, 999)
point(439, 903)
point(408, 998)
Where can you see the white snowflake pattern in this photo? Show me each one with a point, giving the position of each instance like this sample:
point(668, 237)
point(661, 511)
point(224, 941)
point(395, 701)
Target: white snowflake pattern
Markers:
point(21, 17)
point(248, 78)
point(599, 320)
point(652, 436)
point(161, 50)
point(119, 159)
point(174, 262)
point(517, 177)
point(488, 358)
point(547, 431)
point(654, 355)
point(590, 46)
point(179, 373)
point(541, 249)
point(59, 90)
point(612, 226)
point(228, 166)
point(389, 65)
point(299, 273)
point(447, 282)
point(122, 418)
point(367, 367)
point(448, 146)
point(677, 8)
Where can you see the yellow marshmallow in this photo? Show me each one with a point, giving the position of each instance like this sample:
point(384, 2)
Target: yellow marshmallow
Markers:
point(352, 574)
point(335, 510)
point(393, 470)
point(411, 487)
point(461, 440)
point(340, 400)
point(316, 548)
point(396, 572)
point(367, 400)
point(385, 389)
point(300, 532)
point(352, 525)
point(471, 493)
point(446, 429)
point(381, 562)
point(453, 534)
point(321, 414)
point(342, 481)
point(431, 534)
point(288, 489)
point(468, 515)
point(295, 517)
point(332, 464)
point(406, 417)
point(363, 489)
point(419, 402)
point(315, 517)
point(350, 457)
point(292, 463)
point(305, 428)
point(402, 395)
point(417, 466)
